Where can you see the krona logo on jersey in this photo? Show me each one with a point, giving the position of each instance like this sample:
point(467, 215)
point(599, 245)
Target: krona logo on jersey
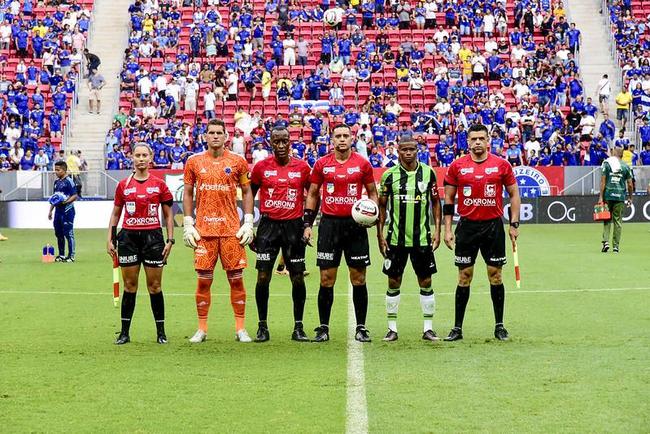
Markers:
point(531, 182)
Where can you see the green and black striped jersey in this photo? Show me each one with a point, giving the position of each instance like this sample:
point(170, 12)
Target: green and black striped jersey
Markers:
point(408, 209)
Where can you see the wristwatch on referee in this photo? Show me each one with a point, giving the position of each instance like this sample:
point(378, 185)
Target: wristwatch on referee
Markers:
point(171, 240)
point(514, 224)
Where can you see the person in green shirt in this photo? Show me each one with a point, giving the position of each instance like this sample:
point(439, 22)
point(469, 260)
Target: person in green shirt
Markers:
point(408, 206)
point(615, 180)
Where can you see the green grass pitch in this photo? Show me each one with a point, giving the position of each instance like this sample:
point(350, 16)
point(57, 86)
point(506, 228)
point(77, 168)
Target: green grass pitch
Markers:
point(577, 360)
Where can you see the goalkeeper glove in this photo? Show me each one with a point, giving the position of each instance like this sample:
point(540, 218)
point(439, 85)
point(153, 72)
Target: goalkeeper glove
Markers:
point(190, 234)
point(245, 232)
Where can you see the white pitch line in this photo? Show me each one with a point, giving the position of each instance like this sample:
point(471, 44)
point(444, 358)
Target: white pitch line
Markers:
point(356, 419)
point(187, 294)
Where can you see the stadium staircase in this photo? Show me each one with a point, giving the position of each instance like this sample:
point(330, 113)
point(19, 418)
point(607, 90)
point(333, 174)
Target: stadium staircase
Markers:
point(110, 32)
point(595, 57)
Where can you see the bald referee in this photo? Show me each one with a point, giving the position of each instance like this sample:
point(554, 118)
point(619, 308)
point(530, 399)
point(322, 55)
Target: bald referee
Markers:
point(479, 179)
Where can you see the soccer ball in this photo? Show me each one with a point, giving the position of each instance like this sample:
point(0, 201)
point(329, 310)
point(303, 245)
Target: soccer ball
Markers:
point(330, 17)
point(365, 212)
point(57, 198)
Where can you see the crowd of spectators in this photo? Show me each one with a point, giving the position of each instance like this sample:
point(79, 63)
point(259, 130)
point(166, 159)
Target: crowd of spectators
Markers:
point(41, 50)
point(631, 35)
point(390, 69)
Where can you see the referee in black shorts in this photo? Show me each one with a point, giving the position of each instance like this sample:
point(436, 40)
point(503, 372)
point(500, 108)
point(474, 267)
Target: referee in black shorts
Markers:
point(282, 182)
point(343, 175)
point(479, 179)
point(140, 243)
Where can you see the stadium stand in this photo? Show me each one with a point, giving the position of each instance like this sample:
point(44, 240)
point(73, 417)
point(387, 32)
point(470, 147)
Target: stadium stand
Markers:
point(390, 70)
point(629, 26)
point(40, 62)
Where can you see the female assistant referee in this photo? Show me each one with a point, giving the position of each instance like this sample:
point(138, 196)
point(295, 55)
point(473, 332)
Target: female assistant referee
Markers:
point(141, 240)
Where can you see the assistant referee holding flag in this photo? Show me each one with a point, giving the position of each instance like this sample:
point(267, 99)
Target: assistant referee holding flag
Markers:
point(479, 179)
point(141, 240)
point(409, 195)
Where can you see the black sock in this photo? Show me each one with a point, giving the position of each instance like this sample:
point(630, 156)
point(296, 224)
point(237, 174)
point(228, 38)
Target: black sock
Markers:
point(60, 241)
point(360, 299)
point(462, 297)
point(498, 294)
point(158, 309)
point(262, 300)
point(128, 306)
point(325, 301)
point(298, 294)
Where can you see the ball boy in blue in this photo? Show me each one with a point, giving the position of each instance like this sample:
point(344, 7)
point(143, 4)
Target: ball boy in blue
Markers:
point(64, 212)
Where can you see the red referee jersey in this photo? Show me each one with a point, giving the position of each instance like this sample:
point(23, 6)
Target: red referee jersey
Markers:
point(480, 186)
point(342, 182)
point(141, 202)
point(282, 188)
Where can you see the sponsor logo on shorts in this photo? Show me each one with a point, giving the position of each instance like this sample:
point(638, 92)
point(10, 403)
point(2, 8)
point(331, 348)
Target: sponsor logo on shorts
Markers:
point(490, 190)
point(325, 256)
point(352, 189)
point(155, 263)
point(141, 221)
point(463, 259)
point(359, 258)
point(467, 190)
point(128, 259)
point(352, 170)
point(293, 175)
point(269, 173)
point(466, 170)
point(200, 250)
point(491, 170)
point(501, 259)
point(129, 191)
point(152, 190)
point(297, 260)
point(263, 256)
point(130, 207)
point(340, 200)
point(327, 170)
point(214, 187)
point(479, 202)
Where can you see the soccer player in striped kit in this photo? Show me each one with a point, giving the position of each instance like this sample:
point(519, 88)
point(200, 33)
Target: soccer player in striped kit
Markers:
point(408, 199)
point(342, 174)
point(141, 242)
point(479, 179)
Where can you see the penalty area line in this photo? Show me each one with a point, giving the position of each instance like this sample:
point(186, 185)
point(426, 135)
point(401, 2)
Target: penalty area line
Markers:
point(356, 407)
point(218, 294)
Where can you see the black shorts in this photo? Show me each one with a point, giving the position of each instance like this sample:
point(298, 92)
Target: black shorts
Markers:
point(273, 235)
point(487, 236)
point(140, 247)
point(338, 235)
point(422, 260)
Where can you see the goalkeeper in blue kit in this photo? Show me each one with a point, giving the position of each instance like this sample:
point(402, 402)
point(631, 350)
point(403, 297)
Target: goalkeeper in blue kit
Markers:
point(61, 205)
